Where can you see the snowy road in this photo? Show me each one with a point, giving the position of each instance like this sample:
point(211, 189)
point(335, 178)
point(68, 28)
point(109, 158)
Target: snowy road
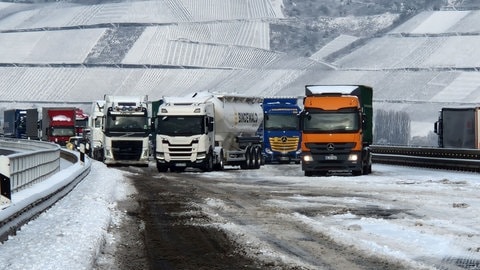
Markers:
point(416, 217)
point(395, 218)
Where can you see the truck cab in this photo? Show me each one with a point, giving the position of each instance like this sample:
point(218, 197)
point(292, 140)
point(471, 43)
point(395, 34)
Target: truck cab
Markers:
point(126, 130)
point(58, 124)
point(336, 128)
point(185, 136)
point(281, 129)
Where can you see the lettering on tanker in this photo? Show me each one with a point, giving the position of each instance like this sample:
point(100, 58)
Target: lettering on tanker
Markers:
point(247, 117)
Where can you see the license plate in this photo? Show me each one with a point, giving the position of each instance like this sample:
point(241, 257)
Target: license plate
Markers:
point(331, 157)
point(180, 164)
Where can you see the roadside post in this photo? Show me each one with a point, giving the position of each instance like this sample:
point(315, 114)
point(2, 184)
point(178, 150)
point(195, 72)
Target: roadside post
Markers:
point(82, 153)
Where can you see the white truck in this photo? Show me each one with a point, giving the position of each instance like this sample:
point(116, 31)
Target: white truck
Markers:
point(208, 131)
point(126, 130)
point(95, 130)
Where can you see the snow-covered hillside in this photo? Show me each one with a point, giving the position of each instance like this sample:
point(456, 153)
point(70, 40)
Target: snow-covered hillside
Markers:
point(64, 52)
point(153, 47)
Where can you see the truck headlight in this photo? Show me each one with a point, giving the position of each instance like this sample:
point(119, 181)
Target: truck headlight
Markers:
point(268, 151)
point(201, 155)
point(160, 156)
point(307, 158)
point(353, 157)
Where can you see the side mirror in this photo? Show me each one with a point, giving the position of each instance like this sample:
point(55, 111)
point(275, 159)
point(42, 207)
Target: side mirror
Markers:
point(364, 121)
point(210, 124)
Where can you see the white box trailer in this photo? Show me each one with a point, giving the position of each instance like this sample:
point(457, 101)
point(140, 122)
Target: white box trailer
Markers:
point(458, 128)
point(208, 131)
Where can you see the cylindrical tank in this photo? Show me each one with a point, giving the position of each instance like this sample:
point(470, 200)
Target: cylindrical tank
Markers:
point(235, 116)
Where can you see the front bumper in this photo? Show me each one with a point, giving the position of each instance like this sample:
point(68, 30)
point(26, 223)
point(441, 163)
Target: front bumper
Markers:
point(331, 162)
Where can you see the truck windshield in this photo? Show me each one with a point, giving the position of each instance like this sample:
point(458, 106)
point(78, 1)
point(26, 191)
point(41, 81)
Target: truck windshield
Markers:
point(331, 122)
point(22, 122)
point(281, 122)
point(63, 131)
point(181, 125)
point(126, 123)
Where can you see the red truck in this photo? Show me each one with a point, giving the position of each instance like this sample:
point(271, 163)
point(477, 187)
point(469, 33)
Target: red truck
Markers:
point(81, 121)
point(58, 124)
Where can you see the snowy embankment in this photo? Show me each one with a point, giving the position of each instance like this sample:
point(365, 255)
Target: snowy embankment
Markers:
point(71, 233)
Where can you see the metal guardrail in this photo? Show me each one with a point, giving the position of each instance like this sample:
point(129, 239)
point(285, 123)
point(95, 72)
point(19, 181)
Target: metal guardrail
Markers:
point(441, 158)
point(37, 161)
point(33, 161)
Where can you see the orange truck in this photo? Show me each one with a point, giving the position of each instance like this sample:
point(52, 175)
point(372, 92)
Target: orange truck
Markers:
point(336, 125)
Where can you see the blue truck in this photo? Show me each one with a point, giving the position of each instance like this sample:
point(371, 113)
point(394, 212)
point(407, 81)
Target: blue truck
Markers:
point(21, 124)
point(15, 123)
point(281, 129)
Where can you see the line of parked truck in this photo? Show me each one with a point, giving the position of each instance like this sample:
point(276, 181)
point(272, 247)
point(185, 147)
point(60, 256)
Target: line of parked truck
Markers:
point(53, 124)
point(329, 128)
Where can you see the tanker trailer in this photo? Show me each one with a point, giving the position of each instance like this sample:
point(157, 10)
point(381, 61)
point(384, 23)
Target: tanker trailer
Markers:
point(208, 131)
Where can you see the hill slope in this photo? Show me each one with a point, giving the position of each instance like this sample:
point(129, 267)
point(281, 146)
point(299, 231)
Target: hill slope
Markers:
point(121, 48)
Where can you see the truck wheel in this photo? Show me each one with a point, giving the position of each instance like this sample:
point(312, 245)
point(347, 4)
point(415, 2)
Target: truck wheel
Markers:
point(258, 158)
point(161, 167)
point(248, 159)
point(308, 173)
point(208, 164)
point(365, 170)
point(358, 172)
point(219, 166)
point(251, 157)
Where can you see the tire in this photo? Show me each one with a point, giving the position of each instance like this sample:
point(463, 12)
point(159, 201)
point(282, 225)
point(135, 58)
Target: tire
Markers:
point(251, 158)
point(161, 168)
point(308, 173)
point(208, 164)
point(257, 158)
point(366, 169)
point(358, 172)
point(220, 165)
point(248, 160)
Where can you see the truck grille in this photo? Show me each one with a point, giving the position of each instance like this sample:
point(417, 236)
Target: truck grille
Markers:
point(328, 148)
point(180, 151)
point(284, 144)
point(127, 150)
